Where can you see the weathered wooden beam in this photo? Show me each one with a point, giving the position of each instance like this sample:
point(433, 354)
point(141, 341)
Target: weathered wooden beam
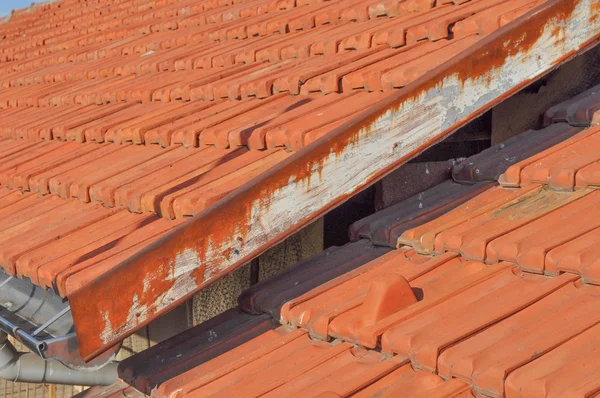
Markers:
point(320, 177)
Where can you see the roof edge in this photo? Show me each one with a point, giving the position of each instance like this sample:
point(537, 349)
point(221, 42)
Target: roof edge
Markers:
point(321, 176)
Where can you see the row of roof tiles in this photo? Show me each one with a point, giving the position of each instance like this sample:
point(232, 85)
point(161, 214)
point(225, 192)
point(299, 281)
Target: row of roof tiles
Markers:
point(478, 324)
point(280, 121)
point(193, 23)
point(146, 181)
point(250, 68)
point(448, 315)
point(449, 323)
point(154, 181)
point(379, 68)
point(106, 68)
point(174, 183)
point(262, 367)
point(71, 98)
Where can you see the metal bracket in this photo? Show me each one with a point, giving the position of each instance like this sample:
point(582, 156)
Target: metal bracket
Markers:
point(64, 349)
point(51, 321)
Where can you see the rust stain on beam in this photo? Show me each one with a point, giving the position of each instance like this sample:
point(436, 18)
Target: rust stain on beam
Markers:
point(318, 178)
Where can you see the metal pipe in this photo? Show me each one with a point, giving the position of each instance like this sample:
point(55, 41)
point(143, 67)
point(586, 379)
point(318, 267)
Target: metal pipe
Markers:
point(34, 304)
point(30, 368)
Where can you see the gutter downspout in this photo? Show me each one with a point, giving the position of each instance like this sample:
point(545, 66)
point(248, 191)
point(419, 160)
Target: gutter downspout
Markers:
point(30, 368)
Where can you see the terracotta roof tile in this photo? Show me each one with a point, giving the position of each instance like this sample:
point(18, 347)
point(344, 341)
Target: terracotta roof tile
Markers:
point(488, 358)
point(559, 169)
point(235, 359)
point(471, 235)
point(527, 246)
point(576, 256)
point(268, 296)
point(568, 369)
point(318, 368)
point(345, 374)
point(406, 382)
point(581, 110)
point(492, 162)
point(317, 308)
point(539, 168)
point(425, 335)
point(423, 237)
point(386, 226)
point(187, 350)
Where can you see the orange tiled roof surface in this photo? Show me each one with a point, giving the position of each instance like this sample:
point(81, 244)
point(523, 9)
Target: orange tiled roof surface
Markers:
point(120, 118)
point(499, 296)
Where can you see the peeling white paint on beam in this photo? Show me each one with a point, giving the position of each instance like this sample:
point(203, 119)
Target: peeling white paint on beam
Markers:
point(396, 134)
point(391, 138)
point(185, 263)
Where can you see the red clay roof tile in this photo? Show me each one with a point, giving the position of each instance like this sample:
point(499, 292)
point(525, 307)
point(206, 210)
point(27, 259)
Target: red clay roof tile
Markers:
point(578, 256)
point(318, 368)
point(423, 238)
point(386, 226)
point(528, 246)
point(570, 368)
point(488, 357)
point(536, 168)
point(191, 348)
point(324, 309)
point(423, 337)
point(581, 110)
point(407, 382)
point(471, 238)
point(268, 296)
point(492, 162)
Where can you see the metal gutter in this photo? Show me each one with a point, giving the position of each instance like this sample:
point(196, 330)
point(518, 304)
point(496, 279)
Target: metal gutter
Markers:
point(320, 177)
point(33, 304)
point(42, 321)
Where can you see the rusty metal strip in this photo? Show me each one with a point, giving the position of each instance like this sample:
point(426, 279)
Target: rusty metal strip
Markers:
point(321, 176)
